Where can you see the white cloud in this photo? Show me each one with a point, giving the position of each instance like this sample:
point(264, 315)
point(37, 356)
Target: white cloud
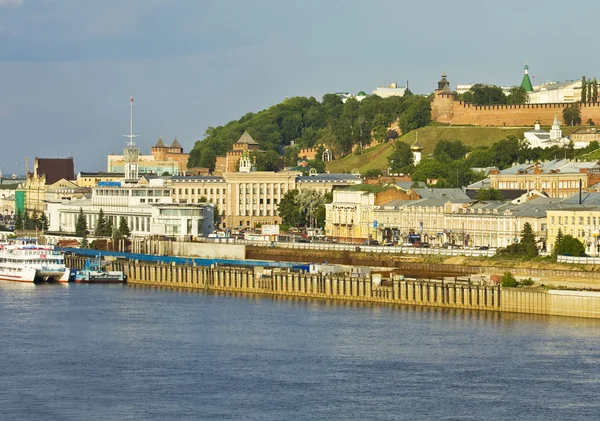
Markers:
point(11, 2)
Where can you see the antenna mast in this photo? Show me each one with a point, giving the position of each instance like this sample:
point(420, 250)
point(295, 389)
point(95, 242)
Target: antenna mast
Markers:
point(131, 144)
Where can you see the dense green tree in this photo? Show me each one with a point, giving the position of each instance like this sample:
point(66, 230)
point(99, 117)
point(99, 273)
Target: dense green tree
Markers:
point(217, 216)
point(594, 97)
point(416, 114)
point(268, 161)
point(572, 115)
point(288, 209)
point(449, 150)
point(559, 237)
point(489, 194)
point(100, 224)
point(124, 230)
point(583, 90)
point(373, 172)
point(516, 95)
point(487, 94)
point(316, 164)
point(589, 91)
point(18, 220)
point(401, 157)
point(321, 211)
point(528, 243)
point(508, 280)
point(569, 246)
point(208, 160)
point(290, 156)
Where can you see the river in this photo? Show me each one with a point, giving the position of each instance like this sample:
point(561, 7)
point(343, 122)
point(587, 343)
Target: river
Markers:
point(114, 352)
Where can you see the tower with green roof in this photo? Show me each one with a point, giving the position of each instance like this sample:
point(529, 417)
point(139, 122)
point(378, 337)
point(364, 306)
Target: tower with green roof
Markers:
point(526, 82)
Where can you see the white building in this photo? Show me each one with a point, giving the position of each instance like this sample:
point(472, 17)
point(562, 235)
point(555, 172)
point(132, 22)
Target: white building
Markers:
point(555, 92)
point(391, 90)
point(538, 138)
point(148, 208)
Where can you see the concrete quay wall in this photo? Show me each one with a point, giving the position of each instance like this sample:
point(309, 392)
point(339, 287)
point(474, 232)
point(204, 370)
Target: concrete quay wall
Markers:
point(396, 291)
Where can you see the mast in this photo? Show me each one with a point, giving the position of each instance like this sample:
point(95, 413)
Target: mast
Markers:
point(131, 153)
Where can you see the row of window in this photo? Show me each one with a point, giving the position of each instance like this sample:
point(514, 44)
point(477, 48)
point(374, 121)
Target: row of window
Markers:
point(591, 220)
point(260, 201)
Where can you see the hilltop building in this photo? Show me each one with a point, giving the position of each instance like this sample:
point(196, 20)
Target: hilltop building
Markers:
point(538, 138)
point(243, 147)
point(163, 159)
point(390, 90)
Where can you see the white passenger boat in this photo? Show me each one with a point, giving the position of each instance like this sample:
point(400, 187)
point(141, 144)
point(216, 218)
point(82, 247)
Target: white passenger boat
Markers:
point(24, 260)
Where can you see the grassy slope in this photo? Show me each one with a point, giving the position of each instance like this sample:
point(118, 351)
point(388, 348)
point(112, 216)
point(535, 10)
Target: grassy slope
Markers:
point(428, 137)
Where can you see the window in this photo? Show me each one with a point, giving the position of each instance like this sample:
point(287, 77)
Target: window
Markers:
point(589, 220)
point(552, 220)
point(581, 220)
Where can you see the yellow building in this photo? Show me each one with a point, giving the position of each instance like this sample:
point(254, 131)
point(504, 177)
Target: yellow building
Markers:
point(163, 159)
point(91, 179)
point(581, 223)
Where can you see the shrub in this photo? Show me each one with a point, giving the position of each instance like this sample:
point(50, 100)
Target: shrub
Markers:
point(508, 280)
point(526, 282)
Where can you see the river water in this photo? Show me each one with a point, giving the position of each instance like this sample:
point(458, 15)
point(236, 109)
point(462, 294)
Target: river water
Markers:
point(113, 352)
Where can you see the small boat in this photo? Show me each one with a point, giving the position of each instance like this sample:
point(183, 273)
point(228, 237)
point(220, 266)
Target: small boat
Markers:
point(93, 272)
point(23, 260)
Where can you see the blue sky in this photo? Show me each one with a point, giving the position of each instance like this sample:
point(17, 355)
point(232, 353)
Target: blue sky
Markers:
point(68, 67)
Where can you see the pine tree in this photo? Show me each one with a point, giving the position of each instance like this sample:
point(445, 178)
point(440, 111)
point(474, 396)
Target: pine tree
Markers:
point(528, 244)
point(559, 237)
point(18, 220)
point(595, 90)
point(84, 242)
point(81, 224)
point(43, 224)
point(124, 227)
point(583, 90)
point(589, 93)
point(100, 224)
point(108, 227)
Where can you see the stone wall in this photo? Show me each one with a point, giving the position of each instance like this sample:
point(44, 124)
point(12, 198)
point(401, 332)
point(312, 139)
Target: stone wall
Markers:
point(445, 109)
point(366, 289)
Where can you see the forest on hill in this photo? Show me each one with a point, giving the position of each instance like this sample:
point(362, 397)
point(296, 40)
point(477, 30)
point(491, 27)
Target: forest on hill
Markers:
point(306, 122)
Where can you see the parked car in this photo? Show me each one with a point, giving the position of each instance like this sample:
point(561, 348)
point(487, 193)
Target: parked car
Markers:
point(302, 240)
point(423, 245)
point(388, 243)
point(450, 246)
point(371, 242)
point(484, 248)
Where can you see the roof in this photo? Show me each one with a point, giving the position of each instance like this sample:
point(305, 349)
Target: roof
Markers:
point(197, 177)
point(587, 198)
point(328, 178)
point(55, 169)
point(449, 194)
point(246, 139)
point(160, 143)
point(526, 82)
point(563, 166)
point(175, 144)
point(416, 146)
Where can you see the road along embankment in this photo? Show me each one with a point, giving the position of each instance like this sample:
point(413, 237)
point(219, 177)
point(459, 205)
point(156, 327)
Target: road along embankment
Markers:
point(371, 289)
point(543, 273)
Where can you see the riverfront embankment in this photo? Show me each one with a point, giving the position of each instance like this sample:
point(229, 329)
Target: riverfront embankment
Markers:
point(390, 288)
point(549, 274)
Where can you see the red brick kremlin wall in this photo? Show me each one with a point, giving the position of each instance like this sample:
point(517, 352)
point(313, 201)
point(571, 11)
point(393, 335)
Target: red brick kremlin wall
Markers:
point(445, 109)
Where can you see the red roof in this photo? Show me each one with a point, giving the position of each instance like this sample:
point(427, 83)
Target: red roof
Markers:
point(56, 169)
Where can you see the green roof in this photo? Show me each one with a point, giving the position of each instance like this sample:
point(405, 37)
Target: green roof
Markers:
point(368, 188)
point(526, 82)
point(361, 93)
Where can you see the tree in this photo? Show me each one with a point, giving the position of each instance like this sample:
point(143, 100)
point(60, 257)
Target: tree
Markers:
point(448, 150)
point(528, 243)
point(508, 280)
point(290, 156)
point(100, 224)
point(208, 160)
point(489, 194)
point(124, 228)
point(570, 246)
point(487, 94)
point(572, 114)
point(308, 201)
point(516, 95)
point(216, 216)
point(372, 173)
point(43, 224)
point(19, 221)
point(589, 93)
point(288, 210)
point(267, 161)
point(594, 97)
point(416, 115)
point(109, 227)
point(401, 156)
point(583, 91)
point(559, 237)
point(81, 224)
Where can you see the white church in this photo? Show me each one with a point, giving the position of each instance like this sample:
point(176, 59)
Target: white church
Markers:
point(538, 138)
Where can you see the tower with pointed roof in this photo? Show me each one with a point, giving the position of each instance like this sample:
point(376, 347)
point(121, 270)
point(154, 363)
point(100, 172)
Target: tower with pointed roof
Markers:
point(556, 131)
point(526, 82)
point(417, 150)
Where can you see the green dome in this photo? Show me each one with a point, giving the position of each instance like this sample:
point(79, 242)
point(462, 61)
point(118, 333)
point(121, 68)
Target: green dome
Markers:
point(361, 93)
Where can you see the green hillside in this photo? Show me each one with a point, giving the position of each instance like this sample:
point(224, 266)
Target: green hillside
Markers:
point(376, 158)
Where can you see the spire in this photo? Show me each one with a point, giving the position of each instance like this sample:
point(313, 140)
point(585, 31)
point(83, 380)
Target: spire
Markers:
point(526, 82)
point(160, 143)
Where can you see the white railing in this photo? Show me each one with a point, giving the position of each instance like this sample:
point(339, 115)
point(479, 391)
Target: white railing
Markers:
point(356, 247)
point(579, 260)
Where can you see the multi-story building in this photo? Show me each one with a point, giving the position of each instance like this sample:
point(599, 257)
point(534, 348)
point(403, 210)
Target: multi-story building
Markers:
point(390, 90)
point(149, 209)
point(581, 223)
point(556, 178)
point(163, 159)
point(91, 179)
